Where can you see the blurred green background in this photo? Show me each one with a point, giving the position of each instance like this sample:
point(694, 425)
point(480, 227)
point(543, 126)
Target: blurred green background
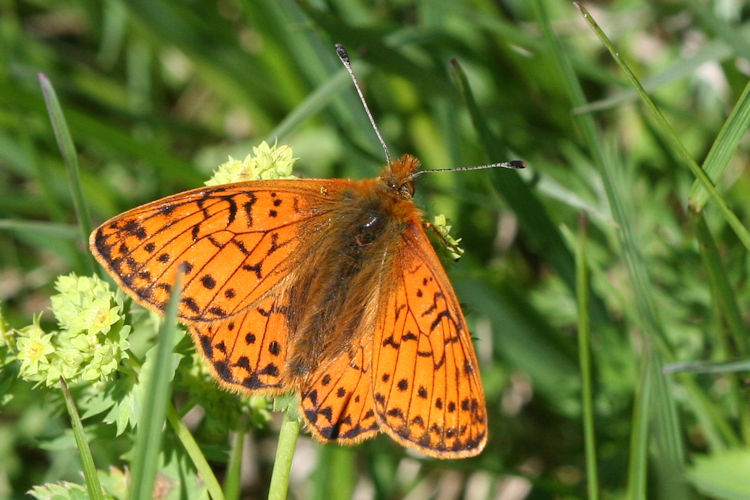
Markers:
point(157, 94)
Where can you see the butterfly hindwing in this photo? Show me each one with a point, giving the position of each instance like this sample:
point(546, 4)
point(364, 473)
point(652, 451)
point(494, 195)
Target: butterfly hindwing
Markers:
point(247, 352)
point(338, 403)
point(426, 386)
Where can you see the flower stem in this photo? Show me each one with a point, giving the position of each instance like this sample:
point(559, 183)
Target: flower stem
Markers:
point(284, 454)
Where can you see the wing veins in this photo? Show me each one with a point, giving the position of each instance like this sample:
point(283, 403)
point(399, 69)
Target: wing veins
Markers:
point(155, 281)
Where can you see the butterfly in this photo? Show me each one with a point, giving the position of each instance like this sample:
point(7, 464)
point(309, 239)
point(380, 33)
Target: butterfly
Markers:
point(329, 288)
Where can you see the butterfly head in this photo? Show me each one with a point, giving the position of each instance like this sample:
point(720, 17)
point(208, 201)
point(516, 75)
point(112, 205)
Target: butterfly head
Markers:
point(398, 177)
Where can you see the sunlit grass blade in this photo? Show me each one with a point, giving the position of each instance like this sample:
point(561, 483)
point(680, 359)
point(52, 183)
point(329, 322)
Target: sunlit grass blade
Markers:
point(669, 134)
point(68, 151)
point(722, 475)
point(723, 148)
point(93, 486)
point(157, 392)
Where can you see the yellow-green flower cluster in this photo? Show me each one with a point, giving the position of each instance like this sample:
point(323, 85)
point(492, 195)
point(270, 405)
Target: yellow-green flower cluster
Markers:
point(441, 225)
point(91, 341)
point(265, 162)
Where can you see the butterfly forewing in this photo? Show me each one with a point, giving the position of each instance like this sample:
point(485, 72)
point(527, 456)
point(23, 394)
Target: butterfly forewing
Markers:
point(234, 243)
point(426, 386)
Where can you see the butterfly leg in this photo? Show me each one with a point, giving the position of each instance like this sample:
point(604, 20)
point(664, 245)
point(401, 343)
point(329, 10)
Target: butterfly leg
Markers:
point(456, 250)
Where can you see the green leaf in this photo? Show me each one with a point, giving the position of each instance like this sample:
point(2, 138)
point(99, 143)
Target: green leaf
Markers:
point(156, 385)
point(59, 491)
point(722, 475)
point(68, 150)
point(93, 488)
point(723, 148)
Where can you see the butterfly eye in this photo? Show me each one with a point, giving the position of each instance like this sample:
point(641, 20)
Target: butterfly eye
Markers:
point(405, 190)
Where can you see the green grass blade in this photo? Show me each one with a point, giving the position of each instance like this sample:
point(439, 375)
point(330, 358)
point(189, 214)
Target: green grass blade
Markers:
point(669, 134)
point(725, 297)
point(532, 216)
point(725, 301)
point(670, 475)
point(48, 229)
point(230, 72)
point(723, 148)
point(316, 101)
point(584, 359)
point(282, 465)
point(232, 481)
point(646, 316)
point(708, 367)
point(718, 431)
point(684, 67)
point(149, 431)
point(194, 452)
point(316, 57)
point(114, 21)
point(335, 476)
point(638, 450)
point(68, 151)
point(89, 469)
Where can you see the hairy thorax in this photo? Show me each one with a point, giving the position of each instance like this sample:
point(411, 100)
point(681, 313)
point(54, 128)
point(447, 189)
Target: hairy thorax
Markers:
point(335, 296)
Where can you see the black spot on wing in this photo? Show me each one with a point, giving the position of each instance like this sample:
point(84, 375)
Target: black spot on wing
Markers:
point(208, 281)
point(206, 345)
point(222, 369)
point(274, 348)
point(190, 304)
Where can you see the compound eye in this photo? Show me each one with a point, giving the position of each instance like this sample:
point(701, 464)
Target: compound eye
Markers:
point(406, 190)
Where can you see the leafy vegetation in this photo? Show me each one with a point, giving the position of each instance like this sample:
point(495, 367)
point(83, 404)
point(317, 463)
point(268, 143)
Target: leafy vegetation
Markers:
point(633, 115)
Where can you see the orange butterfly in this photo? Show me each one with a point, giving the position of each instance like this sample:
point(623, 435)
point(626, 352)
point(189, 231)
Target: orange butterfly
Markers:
point(326, 287)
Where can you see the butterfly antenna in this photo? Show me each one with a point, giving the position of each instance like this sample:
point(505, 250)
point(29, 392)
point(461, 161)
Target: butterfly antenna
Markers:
point(514, 164)
point(344, 56)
